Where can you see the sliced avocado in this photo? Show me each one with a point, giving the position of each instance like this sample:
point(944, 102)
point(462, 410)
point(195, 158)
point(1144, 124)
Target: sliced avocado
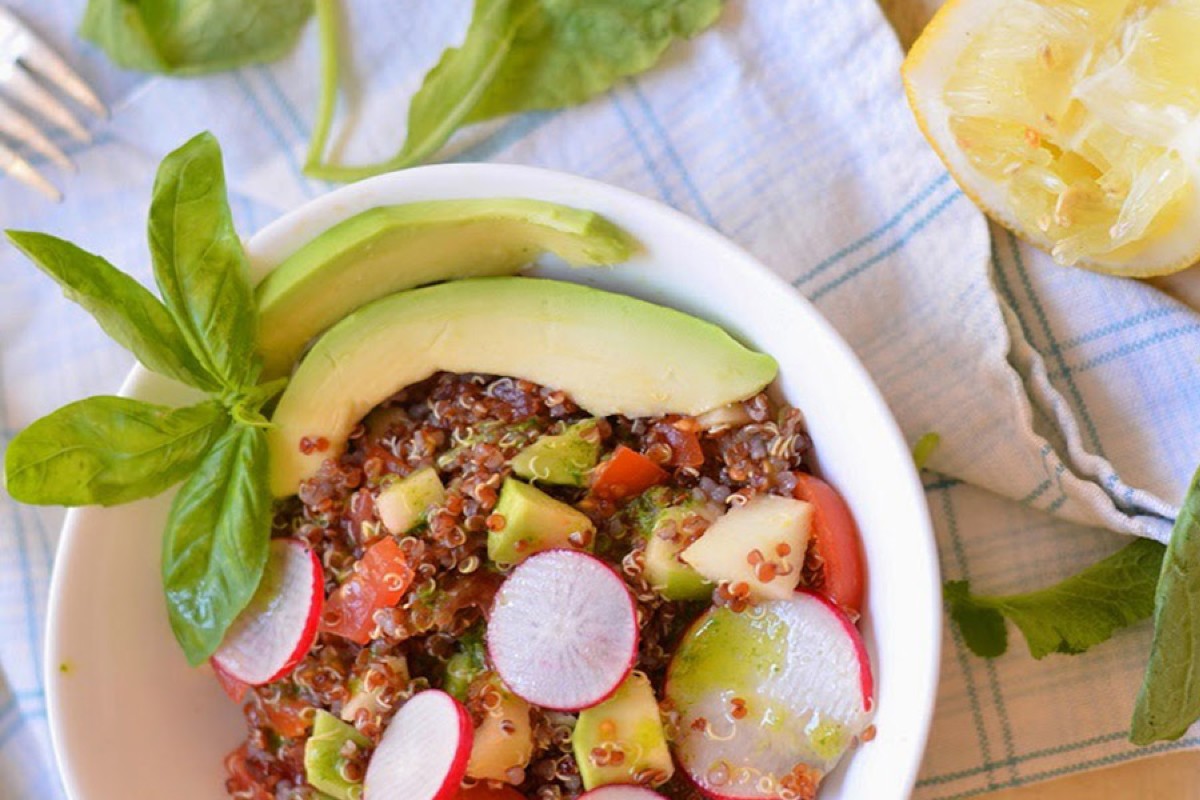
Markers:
point(665, 572)
point(323, 756)
point(630, 722)
point(534, 521)
point(612, 353)
point(387, 249)
point(562, 458)
point(403, 505)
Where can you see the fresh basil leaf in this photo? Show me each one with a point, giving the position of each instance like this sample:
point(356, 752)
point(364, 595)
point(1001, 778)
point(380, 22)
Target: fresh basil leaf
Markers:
point(192, 37)
point(199, 264)
point(1069, 617)
point(1169, 701)
point(215, 547)
point(109, 450)
point(131, 315)
point(524, 55)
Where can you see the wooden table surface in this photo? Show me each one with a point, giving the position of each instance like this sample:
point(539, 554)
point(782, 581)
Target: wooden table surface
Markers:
point(1175, 776)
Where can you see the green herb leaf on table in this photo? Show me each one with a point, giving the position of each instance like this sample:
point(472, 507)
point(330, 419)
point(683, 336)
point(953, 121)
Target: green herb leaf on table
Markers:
point(1169, 701)
point(1069, 617)
point(520, 55)
point(216, 542)
point(192, 37)
point(125, 309)
point(109, 450)
point(200, 265)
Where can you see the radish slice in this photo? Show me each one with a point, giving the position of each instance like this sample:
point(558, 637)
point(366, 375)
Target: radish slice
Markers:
point(621, 793)
point(563, 632)
point(769, 699)
point(424, 751)
point(235, 689)
point(277, 628)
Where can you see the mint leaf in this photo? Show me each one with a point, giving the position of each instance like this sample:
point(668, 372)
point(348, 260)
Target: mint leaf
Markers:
point(523, 55)
point(1069, 617)
point(1169, 701)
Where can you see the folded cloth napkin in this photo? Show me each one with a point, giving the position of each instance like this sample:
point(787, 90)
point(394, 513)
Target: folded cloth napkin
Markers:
point(1066, 401)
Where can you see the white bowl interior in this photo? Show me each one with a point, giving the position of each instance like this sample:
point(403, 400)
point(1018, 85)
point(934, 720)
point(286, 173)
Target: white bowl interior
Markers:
point(129, 717)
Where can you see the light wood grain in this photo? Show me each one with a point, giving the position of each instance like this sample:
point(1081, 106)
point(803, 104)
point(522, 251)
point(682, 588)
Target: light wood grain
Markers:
point(1170, 777)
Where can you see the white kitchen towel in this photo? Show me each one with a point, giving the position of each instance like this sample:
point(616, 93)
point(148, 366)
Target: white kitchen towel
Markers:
point(1068, 404)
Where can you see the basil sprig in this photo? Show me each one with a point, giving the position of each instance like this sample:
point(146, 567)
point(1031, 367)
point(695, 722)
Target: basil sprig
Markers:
point(110, 450)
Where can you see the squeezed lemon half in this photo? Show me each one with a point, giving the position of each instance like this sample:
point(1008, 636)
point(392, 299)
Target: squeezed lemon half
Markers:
point(1074, 122)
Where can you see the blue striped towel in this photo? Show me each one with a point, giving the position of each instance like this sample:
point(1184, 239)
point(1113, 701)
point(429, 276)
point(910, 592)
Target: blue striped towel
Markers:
point(1066, 401)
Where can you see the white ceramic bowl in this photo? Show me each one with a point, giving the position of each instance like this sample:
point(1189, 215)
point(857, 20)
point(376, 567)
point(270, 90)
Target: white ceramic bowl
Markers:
point(130, 719)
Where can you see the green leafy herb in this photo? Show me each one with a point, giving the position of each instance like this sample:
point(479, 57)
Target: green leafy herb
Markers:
point(521, 55)
point(215, 548)
point(192, 37)
point(1070, 616)
point(201, 268)
point(924, 448)
point(109, 450)
point(125, 309)
point(1169, 701)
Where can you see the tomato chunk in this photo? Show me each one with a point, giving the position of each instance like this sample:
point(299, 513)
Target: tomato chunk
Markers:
point(289, 716)
point(381, 578)
point(627, 473)
point(686, 450)
point(836, 543)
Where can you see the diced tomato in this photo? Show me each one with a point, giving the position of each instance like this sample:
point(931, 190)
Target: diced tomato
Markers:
point(484, 792)
point(232, 686)
point(835, 541)
point(289, 716)
point(685, 445)
point(627, 473)
point(381, 579)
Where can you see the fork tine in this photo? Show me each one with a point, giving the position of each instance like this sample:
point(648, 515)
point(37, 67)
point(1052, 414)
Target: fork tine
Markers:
point(41, 58)
point(18, 84)
point(17, 126)
point(23, 171)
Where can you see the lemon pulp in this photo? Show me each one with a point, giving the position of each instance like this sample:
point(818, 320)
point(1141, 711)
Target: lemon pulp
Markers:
point(1085, 112)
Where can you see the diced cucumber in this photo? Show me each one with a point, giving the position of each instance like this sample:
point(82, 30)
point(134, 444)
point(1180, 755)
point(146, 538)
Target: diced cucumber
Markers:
point(563, 458)
point(622, 739)
point(534, 521)
point(323, 757)
point(403, 505)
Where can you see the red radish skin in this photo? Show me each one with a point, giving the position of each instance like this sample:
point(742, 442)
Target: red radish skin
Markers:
point(424, 751)
point(279, 625)
point(235, 689)
point(621, 793)
point(563, 630)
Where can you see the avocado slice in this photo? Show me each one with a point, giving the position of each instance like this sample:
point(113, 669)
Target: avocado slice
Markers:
point(323, 756)
point(562, 458)
point(612, 353)
point(628, 721)
point(387, 249)
point(664, 570)
point(534, 521)
point(402, 506)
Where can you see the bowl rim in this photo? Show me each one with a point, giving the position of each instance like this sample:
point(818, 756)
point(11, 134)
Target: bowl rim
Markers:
point(270, 244)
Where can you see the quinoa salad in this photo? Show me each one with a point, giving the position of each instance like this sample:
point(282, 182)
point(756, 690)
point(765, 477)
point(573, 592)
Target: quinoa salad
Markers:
point(409, 588)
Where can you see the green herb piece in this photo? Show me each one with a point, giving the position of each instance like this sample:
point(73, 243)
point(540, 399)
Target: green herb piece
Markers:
point(192, 37)
point(1169, 701)
point(1069, 617)
point(109, 450)
point(523, 55)
point(924, 448)
point(215, 548)
point(125, 309)
point(466, 665)
point(199, 264)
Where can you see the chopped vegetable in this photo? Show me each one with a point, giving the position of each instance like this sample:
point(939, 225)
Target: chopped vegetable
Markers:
point(381, 579)
point(835, 543)
point(627, 473)
point(403, 505)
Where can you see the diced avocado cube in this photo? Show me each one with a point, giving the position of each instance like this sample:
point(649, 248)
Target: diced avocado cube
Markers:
point(323, 756)
point(760, 545)
point(534, 521)
point(665, 540)
point(403, 505)
point(562, 458)
point(628, 722)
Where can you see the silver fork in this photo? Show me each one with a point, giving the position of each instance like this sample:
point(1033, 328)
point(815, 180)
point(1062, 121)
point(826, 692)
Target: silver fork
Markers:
point(23, 59)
